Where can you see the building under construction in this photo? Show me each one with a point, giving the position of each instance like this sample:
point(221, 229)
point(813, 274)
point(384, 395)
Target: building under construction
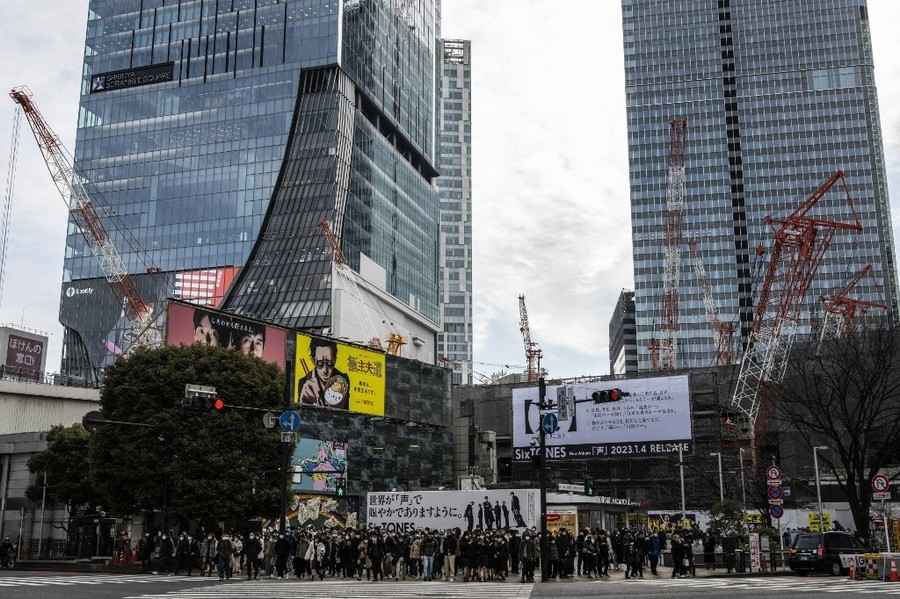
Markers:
point(716, 149)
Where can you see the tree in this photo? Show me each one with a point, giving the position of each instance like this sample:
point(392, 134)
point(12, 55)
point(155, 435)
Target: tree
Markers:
point(66, 462)
point(846, 396)
point(205, 467)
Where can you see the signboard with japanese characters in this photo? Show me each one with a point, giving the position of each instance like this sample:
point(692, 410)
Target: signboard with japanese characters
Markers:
point(24, 357)
point(653, 417)
point(330, 374)
point(442, 510)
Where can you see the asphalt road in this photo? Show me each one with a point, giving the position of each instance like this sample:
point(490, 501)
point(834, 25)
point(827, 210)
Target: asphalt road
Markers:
point(58, 585)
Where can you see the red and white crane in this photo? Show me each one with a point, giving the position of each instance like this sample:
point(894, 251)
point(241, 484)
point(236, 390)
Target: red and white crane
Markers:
point(70, 186)
point(798, 245)
point(533, 353)
point(723, 331)
point(664, 351)
point(841, 310)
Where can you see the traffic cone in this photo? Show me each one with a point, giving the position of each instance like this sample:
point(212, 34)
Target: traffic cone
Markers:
point(894, 577)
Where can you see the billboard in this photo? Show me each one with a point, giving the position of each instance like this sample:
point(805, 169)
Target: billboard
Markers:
point(318, 465)
point(653, 419)
point(466, 510)
point(318, 511)
point(24, 356)
point(187, 324)
point(562, 516)
point(329, 374)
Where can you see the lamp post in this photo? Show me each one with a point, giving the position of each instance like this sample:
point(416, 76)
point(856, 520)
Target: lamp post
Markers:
point(818, 483)
point(718, 454)
point(743, 488)
point(681, 475)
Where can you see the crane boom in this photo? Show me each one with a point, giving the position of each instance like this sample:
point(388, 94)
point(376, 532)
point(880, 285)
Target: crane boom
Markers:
point(533, 353)
point(841, 310)
point(78, 201)
point(723, 331)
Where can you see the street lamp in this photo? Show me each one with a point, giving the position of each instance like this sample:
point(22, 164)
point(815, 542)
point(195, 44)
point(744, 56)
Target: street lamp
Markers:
point(743, 488)
point(718, 454)
point(818, 484)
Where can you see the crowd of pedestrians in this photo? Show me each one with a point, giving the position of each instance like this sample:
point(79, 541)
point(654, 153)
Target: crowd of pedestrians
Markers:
point(374, 554)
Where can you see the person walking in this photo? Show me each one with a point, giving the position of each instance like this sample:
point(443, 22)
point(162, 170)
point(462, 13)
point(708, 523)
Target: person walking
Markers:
point(224, 551)
point(282, 550)
point(449, 549)
point(428, 550)
point(653, 551)
point(253, 549)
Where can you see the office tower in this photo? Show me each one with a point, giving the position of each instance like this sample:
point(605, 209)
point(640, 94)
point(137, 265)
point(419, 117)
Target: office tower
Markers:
point(778, 95)
point(455, 186)
point(623, 357)
point(217, 136)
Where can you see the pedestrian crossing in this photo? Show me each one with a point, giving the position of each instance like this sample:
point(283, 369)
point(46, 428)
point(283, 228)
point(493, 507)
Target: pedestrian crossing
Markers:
point(341, 589)
point(89, 580)
point(770, 586)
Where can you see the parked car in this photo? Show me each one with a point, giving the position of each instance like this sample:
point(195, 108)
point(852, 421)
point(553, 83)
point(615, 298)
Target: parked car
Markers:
point(817, 552)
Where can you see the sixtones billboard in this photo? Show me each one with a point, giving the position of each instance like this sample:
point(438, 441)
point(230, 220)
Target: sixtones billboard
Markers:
point(653, 419)
point(335, 375)
point(187, 324)
point(466, 510)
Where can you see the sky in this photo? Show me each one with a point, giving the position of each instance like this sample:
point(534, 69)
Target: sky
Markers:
point(550, 167)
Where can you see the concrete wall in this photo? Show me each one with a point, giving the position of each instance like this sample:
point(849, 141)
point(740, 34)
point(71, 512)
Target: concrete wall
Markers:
point(33, 407)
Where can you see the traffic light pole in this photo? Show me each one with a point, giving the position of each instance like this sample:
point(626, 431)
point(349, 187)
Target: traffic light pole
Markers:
point(542, 475)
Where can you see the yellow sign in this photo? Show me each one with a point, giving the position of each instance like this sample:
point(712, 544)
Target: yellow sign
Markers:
point(329, 374)
point(753, 518)
point(813, 519)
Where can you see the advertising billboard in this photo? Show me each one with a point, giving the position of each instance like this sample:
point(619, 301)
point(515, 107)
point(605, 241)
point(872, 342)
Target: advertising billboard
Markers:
point(318, 511)
point(24, 357)
point(466, 510)
point(318, 465)
point(562, 516)
point(654, 418)
point(329, 374)
point(187, 324)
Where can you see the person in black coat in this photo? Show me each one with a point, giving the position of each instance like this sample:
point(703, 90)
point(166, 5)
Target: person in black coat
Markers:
point(252, 548)
point(282, 549)
point(515, 544)
point(166, 553)
point(470, 516)
point(183, 554)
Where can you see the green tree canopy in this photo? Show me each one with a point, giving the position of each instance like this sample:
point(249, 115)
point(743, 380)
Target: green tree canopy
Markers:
point(207, 466)
point(66, 462)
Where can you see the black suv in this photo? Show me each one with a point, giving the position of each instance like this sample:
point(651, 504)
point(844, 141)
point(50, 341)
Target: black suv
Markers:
point(816, 552)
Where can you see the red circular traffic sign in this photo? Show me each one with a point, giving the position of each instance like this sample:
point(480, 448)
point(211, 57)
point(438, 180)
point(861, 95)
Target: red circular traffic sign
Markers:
point(776, 511)
point(775, 493)
point(773, 473)
point(880, 483)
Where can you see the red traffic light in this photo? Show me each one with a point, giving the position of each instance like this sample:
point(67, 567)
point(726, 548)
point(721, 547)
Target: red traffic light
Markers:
point(219, 404)
point(614, 394)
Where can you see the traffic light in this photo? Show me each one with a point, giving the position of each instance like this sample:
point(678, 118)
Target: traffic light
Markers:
point(201, 399)
point(588, 487)
point(218, 404)
point(608, 395)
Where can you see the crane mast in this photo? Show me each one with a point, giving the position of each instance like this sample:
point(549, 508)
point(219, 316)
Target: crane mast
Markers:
point(533, 353)
point(841, 310)
point(723, 331)
point(799, 243)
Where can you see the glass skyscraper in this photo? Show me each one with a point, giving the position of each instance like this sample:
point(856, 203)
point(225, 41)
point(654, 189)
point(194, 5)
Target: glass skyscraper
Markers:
point(216, 135)
point(455, 186)
point(778, 95)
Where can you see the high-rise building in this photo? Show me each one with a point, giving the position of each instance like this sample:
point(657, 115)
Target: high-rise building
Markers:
point(216, 137)
point(455, 186)
point(623, 356)
point(778, 95)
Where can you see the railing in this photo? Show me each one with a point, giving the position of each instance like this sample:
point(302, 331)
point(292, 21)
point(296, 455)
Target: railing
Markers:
point(16, 375)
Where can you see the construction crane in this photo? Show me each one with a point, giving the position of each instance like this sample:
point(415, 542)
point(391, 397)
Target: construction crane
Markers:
point(664, 352)
point(723, 331)
point(395, 341)
point(533, 353)
point(799, 243)
point(71, 188)
point(9, 194)
point(841, 310)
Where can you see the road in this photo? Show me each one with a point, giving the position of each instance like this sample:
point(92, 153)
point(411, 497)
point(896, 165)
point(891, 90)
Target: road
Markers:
point(49, 585)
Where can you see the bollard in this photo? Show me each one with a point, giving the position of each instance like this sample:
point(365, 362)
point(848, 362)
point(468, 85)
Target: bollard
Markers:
point(893, 576)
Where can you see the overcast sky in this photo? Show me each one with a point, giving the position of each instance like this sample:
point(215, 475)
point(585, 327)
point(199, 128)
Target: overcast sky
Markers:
point(550, 166)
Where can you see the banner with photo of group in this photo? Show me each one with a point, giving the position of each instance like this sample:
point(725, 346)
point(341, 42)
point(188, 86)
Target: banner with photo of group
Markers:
point(442, 510)
point(330, 374)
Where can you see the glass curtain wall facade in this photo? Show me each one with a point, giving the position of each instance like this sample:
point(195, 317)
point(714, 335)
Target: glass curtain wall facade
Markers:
point(623, 358)
point(455, 186)
point(774, 105)
point(195, 114)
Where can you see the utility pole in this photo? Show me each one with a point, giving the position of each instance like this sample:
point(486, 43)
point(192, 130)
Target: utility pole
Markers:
point(743, 487)
point(816, 450)
point(542, 466)
point(681, 475)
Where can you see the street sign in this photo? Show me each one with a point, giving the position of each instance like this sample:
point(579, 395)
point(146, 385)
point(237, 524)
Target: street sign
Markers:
point(881, 495)
point(198, 390)
point(571, 488)
point(776, 502)
point(270, 421)
point(774, 482)
point(813, 522)
point(775, 493)
point(287, 437)
point(550, 424)
point(289, 420)
point(880, 483)
point(773, 473)
point(776, 511)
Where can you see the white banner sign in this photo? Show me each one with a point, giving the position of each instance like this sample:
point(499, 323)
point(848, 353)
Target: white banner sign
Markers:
point(654, 418)
point(466, 510)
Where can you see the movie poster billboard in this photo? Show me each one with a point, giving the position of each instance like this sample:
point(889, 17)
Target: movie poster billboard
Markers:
point(329, 374)
point(318, 465)
point(654, 418)
point(467, 510)
point(187, 324)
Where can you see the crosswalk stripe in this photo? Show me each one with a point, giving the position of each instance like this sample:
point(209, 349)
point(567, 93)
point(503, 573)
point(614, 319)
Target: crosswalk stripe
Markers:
point(769, 585)
point(91, 580)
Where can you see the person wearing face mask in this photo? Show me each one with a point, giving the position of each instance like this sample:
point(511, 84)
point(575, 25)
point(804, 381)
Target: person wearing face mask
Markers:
point(183, 554)
point(224, 551)
point(208, 555)
point(167, 553)
point(252, 549)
